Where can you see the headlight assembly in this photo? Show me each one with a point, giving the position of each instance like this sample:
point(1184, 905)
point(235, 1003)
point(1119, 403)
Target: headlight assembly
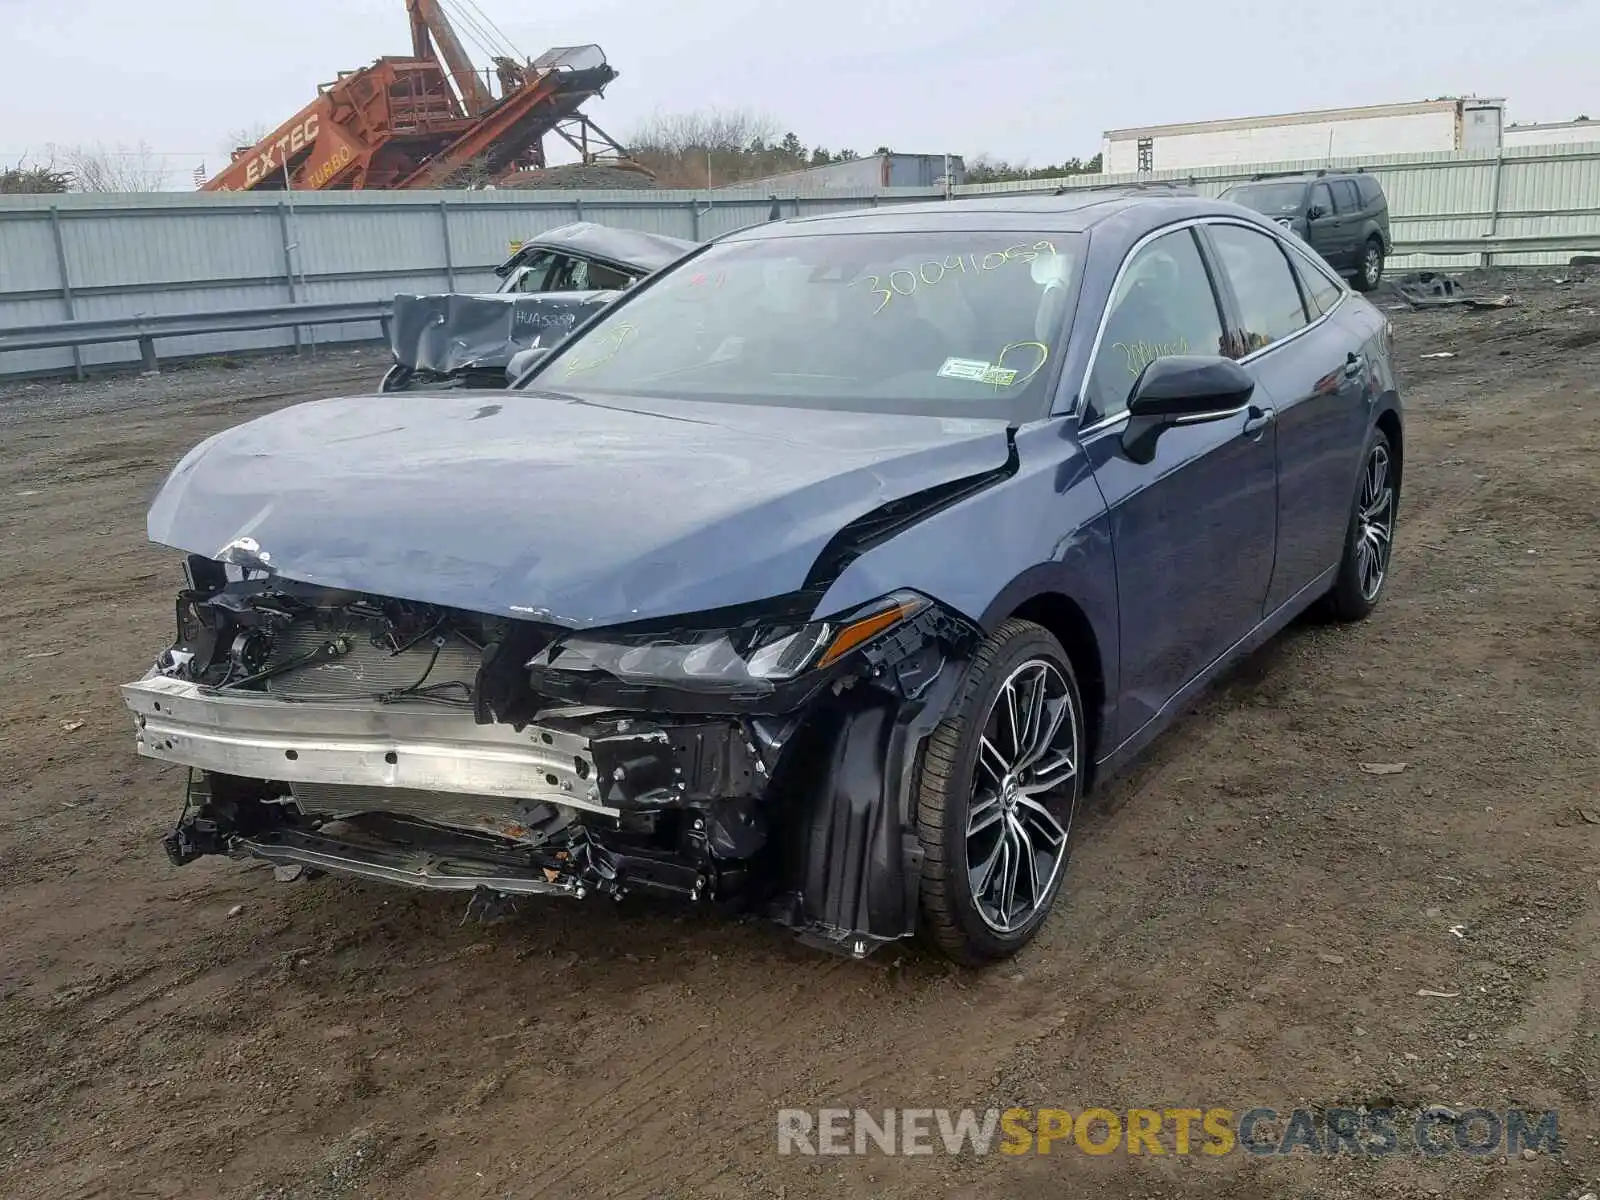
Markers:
point(758, 655)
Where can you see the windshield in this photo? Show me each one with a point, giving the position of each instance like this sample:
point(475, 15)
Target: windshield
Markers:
point(1273, 199)
point(956, 324)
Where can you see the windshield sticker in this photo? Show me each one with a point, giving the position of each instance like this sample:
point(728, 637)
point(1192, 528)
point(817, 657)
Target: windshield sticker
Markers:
point(964, 368)
point(606, 347)
point(997, 374)
point(906, 281)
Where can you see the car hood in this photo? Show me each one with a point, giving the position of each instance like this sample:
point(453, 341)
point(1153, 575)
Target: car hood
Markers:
point(578, 511)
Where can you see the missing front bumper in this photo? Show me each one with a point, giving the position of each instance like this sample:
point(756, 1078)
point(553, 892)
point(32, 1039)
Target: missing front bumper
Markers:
point(360, 744)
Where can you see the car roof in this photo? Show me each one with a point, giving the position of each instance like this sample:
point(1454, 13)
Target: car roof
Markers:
point(1074, 211)
point(633, 248)
point(1308, 176)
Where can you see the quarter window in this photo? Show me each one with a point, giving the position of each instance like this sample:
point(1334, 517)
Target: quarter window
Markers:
point(1164, 304)
point(1270, 307)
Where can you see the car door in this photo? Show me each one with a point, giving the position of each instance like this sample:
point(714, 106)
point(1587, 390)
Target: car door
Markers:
point(1193, 530)
point(1325, 228)
point(1353, 213)
point(1312, 367)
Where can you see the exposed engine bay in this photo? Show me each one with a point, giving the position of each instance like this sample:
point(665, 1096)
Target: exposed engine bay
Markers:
point(754, 757)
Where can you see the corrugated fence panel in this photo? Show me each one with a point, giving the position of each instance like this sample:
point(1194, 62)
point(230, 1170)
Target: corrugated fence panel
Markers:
point(189, 252)
point(360, 242)
point(28, 259)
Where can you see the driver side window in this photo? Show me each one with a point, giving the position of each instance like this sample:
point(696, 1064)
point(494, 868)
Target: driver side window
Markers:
point(1164, 304)
point(532, 276)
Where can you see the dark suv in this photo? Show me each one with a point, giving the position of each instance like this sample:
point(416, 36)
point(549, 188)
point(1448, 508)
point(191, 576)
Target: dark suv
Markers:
point(1343, 216)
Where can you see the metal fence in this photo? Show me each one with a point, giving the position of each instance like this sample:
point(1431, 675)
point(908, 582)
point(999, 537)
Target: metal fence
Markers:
point(82, 257)
point(1436, 200)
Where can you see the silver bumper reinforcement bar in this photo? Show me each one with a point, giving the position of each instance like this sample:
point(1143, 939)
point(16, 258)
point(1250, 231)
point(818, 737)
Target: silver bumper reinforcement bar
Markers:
point(360, 743)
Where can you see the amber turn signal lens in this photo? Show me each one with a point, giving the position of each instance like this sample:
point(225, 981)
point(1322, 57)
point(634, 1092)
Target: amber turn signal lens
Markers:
point(864, 630)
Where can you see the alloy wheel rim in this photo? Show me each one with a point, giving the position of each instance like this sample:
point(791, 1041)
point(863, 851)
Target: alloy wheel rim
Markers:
point(1375, 523)
point(1372, 264)
point(1027, 757)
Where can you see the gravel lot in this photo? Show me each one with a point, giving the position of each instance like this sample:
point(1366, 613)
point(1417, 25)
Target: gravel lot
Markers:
point(1250, 917)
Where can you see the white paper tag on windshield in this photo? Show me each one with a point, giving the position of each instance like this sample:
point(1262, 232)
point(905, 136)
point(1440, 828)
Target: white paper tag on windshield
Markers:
point(977, 371)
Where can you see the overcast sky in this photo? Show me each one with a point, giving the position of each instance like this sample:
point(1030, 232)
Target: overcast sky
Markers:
point(1020, 79)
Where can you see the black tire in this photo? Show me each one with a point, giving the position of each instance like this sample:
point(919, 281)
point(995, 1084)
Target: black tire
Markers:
point(1352, 597)
point(396, 379)
point(1369, 270)
point(951, 917)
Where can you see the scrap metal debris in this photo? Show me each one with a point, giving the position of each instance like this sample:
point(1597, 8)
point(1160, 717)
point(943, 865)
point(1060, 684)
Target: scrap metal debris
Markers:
point(1437, 995)
point(1429, 289)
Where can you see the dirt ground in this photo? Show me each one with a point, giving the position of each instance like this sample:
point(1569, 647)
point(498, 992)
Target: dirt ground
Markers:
point(1249, 919)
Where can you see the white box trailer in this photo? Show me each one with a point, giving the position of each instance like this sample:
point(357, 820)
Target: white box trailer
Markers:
point(1459, 123)
point(1553, 133)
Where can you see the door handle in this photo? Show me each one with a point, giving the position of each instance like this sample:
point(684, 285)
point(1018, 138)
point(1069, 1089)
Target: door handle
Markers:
point(1258, 420)
point(1354, 364)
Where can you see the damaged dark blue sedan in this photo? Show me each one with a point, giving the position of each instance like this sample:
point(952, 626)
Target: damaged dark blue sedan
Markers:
point(820, 575)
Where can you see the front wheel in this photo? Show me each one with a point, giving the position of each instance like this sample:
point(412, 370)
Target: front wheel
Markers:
point(1369, 272)
point(1365, 566)
point(998, 788)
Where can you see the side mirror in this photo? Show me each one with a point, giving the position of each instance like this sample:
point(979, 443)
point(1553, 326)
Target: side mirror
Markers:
point(1182, 389)
point(1316, 212)
point(522, 362)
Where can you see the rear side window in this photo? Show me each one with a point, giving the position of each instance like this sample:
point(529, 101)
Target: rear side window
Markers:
point(1321, 292)
point(1269, 301)
point(1345, 195)
point(1164, 305)
point(608, 278)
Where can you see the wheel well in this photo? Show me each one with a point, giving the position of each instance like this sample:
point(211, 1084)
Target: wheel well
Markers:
point(1389, 422)
point(1063, 618)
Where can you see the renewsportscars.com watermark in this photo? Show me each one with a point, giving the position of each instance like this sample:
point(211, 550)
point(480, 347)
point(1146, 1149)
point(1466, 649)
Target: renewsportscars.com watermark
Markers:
point(1212, 1132)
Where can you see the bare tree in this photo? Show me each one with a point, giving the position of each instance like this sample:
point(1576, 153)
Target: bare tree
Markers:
point(725, 130)
point(471, 176)
point(708, 148)
point(245, 136)
point(120, 169)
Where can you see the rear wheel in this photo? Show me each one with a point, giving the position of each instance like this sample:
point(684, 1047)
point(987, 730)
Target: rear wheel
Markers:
point(1000, 783)
point(1365, 567)
point(1369, 271)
